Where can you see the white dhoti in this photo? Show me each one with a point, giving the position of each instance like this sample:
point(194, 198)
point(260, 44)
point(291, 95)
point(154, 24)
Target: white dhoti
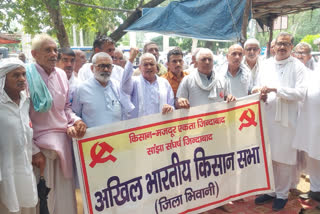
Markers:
point(61, 198)
point(313, 169)
point(283, 179)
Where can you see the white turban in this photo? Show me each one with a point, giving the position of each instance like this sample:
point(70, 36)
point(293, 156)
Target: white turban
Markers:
point(7, 65)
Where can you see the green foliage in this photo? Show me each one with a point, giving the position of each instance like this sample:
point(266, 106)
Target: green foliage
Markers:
point(309, 39)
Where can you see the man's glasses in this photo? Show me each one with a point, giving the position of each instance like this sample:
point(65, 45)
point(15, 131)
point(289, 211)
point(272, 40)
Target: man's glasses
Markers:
point(285, 44)
point(300, 54)
point(104, 66)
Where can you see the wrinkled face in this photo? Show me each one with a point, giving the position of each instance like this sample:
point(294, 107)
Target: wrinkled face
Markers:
point(175, 64)
point(252, 51)
point(205, 63)
point(148, 68)
point(234, 56)
point(66, 63)
point(16, 80)
point(80, 60)
point(118, 59)
point(46, 56)
point(302, 54)
point(108, 48)
point(283, 47)
point(153, 49)
point(102, 69)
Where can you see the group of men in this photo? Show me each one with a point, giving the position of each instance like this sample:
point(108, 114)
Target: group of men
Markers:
point(108, 89)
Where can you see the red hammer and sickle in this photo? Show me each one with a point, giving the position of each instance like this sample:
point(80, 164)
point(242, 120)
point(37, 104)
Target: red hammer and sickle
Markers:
point(250, 120)
point(97, 158)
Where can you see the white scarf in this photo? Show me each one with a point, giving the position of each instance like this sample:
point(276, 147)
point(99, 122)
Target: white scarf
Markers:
point(282, 104)
point(141, 95)
point(211, 87)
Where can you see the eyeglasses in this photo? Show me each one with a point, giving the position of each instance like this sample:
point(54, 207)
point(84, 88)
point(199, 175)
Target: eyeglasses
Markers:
point(252, 49)
point(300, 54)
point(115, 58)
point(285, 44)
point(104, 66)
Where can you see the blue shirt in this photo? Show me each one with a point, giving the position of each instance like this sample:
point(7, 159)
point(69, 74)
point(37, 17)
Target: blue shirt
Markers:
point(97, 105)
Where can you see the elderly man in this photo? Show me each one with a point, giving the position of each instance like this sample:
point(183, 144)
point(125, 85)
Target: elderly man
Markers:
point(66, 62)
point(18, 188)
point(99, 100)
point(149, 93)
point(79, 61)
point(175, 73)
point(22, 57)
point(238, 75)
point(192, 66)
point(152, 48)
point(252, 60)
point(101, 44)
point(118, 58)
point(53, 123)
point(281, 82)
point(302, 51)
point(203, 86)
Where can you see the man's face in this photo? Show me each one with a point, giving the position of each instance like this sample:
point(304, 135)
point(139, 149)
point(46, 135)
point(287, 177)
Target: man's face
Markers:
point(46, 56)
point(102, 69)
point(66, 63)
point(108, 48)
point(283, 47)
point(118, 59)
point(252, 52)
point(80, 60)
point(272, 50)
point(205, 63)
point(16, 80)
point(175, 64)
point(22, 57)
point(235, 55)
point(302, 54)
point(148, 68)
point(153, 49)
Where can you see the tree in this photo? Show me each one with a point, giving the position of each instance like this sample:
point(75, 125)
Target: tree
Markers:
point(32, 14)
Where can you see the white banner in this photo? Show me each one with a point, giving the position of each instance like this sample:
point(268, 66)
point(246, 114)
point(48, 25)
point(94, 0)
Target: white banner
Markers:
point(189, 161)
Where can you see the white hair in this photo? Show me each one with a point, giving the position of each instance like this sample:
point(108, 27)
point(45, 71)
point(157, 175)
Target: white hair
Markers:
point(203, 51)
point(38, 40)
point(251, 41)
point(100, 55)
point(304, 45)
point(147, 55)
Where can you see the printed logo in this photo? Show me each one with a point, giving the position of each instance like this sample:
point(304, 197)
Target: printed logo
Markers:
point(98, 157)
point(250, 120)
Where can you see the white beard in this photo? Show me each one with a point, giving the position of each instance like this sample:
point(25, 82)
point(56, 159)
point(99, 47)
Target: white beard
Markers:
point(102, 76)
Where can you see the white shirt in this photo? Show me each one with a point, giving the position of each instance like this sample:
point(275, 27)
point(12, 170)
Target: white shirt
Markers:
point(86, 73)
point(18, 186)
point(288, 77)
point(189, 89)
point(308, 124)
point(73, 84)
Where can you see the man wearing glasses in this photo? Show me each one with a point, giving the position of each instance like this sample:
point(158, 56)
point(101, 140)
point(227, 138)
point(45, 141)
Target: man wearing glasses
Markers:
point(302, 51)
point(251, 60)
point(99, 101)
point(281, 83)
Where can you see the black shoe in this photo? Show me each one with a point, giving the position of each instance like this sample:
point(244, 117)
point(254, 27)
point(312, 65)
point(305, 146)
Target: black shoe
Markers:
point(278, 204)
point(314, 195)
point(263, 199)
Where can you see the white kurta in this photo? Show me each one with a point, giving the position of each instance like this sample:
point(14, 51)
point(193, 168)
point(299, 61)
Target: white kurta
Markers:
point(308, 127)
point(281, 108)
point(18, 185)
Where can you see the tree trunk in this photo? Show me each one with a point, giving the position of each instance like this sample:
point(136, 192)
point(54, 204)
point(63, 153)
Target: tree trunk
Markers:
point(53, 7)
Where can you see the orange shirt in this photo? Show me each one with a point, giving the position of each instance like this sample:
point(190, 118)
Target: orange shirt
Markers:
point(174, 80)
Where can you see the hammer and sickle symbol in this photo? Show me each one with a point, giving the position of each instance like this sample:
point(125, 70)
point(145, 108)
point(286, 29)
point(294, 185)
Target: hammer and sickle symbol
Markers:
point(97, 158)
point(250, 120)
